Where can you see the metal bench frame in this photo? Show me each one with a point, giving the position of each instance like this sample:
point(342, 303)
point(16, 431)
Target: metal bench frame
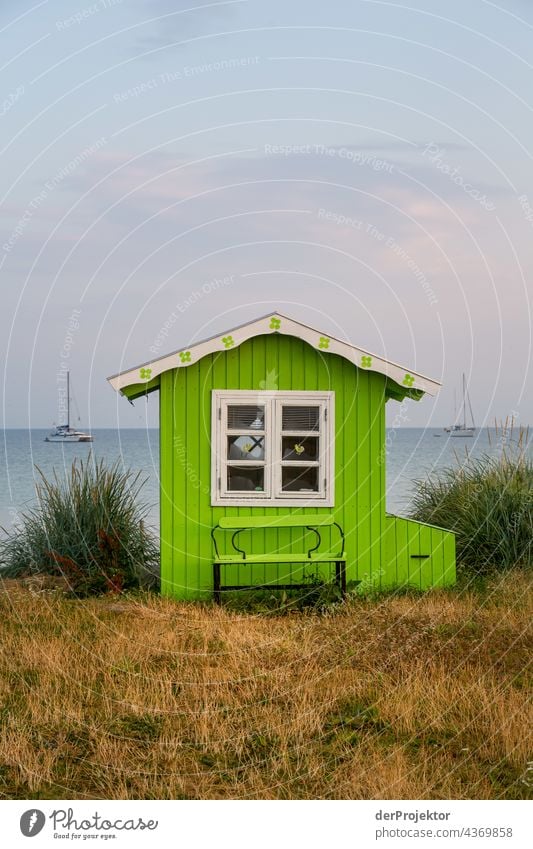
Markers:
point(309, 522)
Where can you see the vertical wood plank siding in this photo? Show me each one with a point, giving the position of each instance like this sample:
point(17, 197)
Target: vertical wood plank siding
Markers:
point(378, 547)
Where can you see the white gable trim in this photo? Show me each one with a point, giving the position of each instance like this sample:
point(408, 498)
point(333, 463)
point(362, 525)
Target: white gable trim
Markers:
point(275, 323)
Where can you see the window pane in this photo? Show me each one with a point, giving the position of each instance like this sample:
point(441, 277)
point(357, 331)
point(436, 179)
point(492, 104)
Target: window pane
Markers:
point(246, 447)
point(301, 418)
point(300, 448)
point(299, 479)
point(246, 479)
point(246, 416)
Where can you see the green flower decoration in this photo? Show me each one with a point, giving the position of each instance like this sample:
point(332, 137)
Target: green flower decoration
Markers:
point(247, 447)
point(366, 362)
point(275, 323)
point(145, 373)
point(185, 356)
point(323, 342)
point(408, 380)
point(228, 341)
point(299, 448)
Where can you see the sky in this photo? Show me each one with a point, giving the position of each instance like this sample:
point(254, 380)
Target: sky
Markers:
point(172, 169)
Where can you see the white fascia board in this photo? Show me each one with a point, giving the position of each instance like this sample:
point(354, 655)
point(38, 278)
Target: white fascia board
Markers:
point(275, 323)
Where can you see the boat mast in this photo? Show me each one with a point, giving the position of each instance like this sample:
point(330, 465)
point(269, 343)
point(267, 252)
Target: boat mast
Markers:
point(464, 402)
point(470, 408)
point(68, 400)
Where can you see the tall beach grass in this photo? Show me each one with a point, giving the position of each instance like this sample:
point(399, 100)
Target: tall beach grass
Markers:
point(487, 502)
point(88, 528)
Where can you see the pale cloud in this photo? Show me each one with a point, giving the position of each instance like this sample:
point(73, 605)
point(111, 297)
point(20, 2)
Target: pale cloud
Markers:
point(171, 22)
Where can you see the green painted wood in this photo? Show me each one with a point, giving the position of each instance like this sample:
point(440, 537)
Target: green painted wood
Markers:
point(426, 565)
point(448, 560)
point(268, 521)
point(413, 547)
point(402, 551)
point(389, 562)
point(415, 538)
point(182, 485)
point(438, 559)
point(166, 465)
point(137, 390)
point(362, 482)
point(377, 546)
point(377, 493)
point(204, 469)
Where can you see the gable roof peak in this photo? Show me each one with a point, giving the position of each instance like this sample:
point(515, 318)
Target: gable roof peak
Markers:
point(408, 381)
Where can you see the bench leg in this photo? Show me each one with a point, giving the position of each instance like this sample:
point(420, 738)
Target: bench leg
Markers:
point(340, 576)
point(216, 582)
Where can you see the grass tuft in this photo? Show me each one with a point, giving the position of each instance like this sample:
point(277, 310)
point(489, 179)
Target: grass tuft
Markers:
point(488, 503)
point(87, 529)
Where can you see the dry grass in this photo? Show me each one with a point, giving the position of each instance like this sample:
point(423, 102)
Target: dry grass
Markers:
point(396, 698)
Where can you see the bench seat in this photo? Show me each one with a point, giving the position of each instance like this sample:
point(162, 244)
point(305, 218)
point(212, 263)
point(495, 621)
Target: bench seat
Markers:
point(327, 557)
point(238, 524)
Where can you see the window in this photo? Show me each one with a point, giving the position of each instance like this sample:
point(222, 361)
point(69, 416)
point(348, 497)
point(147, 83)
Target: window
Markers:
point(272, 448)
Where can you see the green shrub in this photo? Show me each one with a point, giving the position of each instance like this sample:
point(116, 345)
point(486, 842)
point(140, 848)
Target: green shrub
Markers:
point(87, 528)
point(488, 502)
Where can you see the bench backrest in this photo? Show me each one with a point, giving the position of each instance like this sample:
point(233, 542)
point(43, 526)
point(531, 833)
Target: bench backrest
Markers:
point(243, 522)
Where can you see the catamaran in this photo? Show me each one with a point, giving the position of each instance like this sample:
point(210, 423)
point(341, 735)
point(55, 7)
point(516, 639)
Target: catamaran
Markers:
point(65, 433)
point(462, 429)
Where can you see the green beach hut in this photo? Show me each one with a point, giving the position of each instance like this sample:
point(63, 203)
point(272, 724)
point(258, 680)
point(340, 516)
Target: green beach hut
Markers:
point(272, 454)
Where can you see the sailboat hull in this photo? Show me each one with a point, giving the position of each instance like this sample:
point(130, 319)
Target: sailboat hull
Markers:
point(65, 433)
point(461, 429)
point(68, 438)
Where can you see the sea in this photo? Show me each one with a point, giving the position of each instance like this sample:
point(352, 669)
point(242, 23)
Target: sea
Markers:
point(411, 454)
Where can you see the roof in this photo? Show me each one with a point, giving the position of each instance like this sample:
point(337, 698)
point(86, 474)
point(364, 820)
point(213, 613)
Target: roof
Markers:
point(144, 377)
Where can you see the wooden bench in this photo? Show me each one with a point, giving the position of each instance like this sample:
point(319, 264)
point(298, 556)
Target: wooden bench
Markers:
point(237, 524)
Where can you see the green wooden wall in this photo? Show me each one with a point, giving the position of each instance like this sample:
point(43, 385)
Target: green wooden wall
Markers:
point(379, 548)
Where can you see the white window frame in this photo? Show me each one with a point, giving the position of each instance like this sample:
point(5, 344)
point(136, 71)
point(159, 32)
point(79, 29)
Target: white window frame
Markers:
point(272, 495)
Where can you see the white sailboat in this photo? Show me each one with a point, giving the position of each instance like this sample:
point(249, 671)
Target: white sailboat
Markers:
point(65, 433)
point(462, 429)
